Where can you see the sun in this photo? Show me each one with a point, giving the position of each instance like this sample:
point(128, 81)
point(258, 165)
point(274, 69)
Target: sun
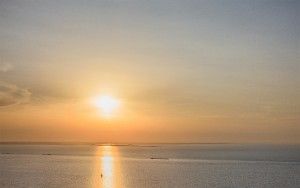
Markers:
point(107, 104)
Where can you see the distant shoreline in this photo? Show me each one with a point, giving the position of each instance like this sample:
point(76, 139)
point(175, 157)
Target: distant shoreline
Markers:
point(135, 144)
point(104, 143)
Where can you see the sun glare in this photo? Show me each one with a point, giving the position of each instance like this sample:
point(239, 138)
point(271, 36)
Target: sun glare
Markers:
point(107, 104)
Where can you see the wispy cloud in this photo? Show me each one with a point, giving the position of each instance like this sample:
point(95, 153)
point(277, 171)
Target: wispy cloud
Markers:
point(12, 95)
point(5, 67)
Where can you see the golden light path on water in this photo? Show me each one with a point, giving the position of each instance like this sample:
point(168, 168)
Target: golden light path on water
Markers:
point(107, 168)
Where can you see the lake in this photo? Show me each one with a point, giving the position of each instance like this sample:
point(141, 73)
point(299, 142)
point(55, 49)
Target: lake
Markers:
point(145, 165)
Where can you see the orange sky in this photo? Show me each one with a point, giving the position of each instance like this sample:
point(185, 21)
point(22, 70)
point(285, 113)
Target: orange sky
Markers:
point(182, 72)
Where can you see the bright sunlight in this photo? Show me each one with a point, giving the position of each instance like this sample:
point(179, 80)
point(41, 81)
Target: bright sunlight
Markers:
point(107, 104)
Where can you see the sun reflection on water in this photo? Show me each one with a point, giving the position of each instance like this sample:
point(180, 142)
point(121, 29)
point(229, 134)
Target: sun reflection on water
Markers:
point(107, 171)
point(107, 167)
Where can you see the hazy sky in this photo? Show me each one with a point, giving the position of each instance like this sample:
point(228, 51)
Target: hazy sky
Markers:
point(183, 71)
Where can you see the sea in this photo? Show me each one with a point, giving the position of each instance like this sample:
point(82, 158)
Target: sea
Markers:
point(150, 165)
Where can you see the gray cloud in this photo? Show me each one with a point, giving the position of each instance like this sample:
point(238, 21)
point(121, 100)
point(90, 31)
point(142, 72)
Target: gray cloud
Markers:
point(12, 95)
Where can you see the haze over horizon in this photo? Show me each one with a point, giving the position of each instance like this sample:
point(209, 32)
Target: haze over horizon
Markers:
point(150, 71)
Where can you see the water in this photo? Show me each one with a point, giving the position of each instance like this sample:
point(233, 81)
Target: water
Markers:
point(195, 165)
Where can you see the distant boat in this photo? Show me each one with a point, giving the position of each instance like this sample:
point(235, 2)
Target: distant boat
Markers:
point(159, 158)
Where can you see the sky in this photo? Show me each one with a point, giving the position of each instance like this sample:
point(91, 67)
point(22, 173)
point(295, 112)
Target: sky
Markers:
point(181, 71)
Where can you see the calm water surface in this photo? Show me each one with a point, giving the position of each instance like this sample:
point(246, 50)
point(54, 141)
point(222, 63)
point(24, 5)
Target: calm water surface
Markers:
point(196, 165)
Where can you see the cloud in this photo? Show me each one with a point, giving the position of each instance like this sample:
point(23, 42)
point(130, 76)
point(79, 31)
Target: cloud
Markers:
point(5, 67)
point(12, 95)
